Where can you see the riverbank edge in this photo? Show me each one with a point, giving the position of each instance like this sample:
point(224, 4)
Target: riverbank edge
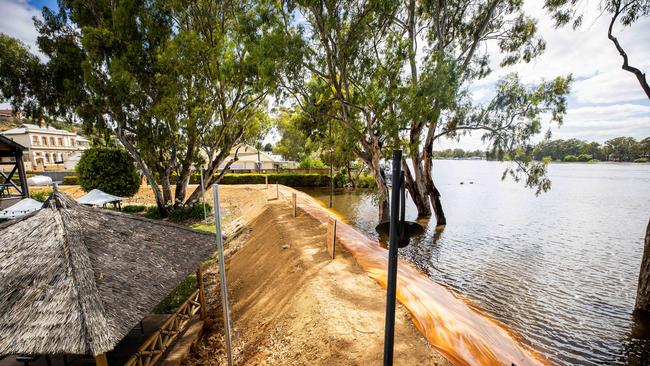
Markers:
point(458, 329)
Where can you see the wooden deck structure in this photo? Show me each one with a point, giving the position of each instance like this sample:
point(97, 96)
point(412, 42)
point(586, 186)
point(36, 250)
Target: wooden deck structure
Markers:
point(8, 188)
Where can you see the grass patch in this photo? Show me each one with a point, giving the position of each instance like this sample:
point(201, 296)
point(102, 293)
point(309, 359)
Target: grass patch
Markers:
point(178, 296)
point(134, 208)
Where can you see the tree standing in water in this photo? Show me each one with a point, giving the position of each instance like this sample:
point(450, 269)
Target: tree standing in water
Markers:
point(399, 76)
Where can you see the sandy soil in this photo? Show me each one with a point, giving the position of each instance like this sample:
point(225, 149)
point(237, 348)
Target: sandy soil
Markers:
point(291, 304)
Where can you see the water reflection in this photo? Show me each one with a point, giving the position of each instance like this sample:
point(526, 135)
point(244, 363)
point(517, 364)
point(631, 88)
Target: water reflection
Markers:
point(560, 269)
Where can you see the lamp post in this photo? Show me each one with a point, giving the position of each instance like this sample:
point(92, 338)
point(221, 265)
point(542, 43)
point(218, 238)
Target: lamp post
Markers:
point(331, 165)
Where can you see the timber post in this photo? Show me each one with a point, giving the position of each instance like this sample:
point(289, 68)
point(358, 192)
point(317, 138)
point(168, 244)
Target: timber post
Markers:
point(294, 204)
point(331, 237)
point(266, 181)
point(643, 288)
point(101, 360)
point(199, 285)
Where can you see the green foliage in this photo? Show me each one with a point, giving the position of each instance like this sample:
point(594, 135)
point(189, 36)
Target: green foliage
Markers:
point(547, 159)
point(311, 163)
point(366, 181)
point(110, 170)
point(177, 297)
point(287, 179)
point(641, 160)
point(133, 208)
point(153, 213)
point(584, 157)
point(190, 212)
point(40, 196)
point(70, 180)
point(570, 158)
point(592, 161)
point(340, 179)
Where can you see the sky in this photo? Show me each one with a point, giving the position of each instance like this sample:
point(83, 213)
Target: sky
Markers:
point(605, 101)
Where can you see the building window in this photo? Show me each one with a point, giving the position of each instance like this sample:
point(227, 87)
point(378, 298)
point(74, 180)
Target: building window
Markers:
point(52, 141)
point(47, 158)
point(35, 140)
point(44, 140)
point(60, 141)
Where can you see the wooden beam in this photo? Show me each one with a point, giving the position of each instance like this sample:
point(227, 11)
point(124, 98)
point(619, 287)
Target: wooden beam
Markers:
point(101, 360)
point(199, 284)
point(22, 174)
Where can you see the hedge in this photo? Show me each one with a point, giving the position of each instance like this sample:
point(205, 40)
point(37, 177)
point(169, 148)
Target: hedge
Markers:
point(70, 180)
point(287, 179)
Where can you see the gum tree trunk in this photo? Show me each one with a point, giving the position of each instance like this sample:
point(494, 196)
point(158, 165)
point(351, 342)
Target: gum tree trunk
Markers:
point(643, 289)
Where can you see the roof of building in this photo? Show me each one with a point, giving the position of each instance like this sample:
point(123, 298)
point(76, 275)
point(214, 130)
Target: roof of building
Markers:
point(28, 127)
point(9, 144)
point(76, 279)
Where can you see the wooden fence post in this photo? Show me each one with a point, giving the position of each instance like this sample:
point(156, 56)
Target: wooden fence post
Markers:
point(266, 181)
point(277, 191)
point(199, 284)
point(331, 237)
point(101, 360)
point(294, 204)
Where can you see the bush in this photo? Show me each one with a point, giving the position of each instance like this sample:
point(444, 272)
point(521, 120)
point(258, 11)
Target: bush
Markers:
point(193, 212)
point(366, 181)
point(287, 179)
point(570, 158)
point(547, 159)
point(110, 170)
point(152, 213)
point(40, 196)
point(70, 180)
point(641, 160)
point(309, 163)
point(584, 157)
point(340, 179)
point(133, 208)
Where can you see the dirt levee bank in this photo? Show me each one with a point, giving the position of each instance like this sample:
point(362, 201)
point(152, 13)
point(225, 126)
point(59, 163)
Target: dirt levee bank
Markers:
point(292, 305)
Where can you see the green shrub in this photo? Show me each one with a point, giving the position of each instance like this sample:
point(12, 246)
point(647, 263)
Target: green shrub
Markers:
point(641, 160)
point(340, 179)
point(366, 181)
point(40, 196)
point(547, 159)
point(152, 213)
point(110, 170)
point(310, 163)
point(594, 161)
point(133, 208)
point(193, 212)
point(570, 158)
point(287, 179)
point(70, 180)
point(584, 157)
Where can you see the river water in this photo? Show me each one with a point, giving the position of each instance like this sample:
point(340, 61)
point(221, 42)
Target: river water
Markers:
point(559, 269)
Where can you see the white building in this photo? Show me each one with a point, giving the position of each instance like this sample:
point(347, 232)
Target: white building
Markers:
point(48, 148)
point(250, 159)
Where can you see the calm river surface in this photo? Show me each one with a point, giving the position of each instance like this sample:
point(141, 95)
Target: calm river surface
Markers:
point(559, 269)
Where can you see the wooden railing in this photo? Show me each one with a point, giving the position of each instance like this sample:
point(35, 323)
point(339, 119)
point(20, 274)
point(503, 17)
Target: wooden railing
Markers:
point(156, 345)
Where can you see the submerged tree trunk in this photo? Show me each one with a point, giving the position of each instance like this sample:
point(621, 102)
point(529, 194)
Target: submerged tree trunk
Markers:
point(380, 182)
point(432, 191)
point(416, 188)
point(643, 289)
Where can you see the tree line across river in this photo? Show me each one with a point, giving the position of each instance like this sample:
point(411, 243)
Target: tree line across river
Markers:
point(572, 150)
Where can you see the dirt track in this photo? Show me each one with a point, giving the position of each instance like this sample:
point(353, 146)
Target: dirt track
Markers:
point(292, 305)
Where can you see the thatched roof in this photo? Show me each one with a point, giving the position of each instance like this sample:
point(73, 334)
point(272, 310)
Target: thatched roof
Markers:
point(76, 279)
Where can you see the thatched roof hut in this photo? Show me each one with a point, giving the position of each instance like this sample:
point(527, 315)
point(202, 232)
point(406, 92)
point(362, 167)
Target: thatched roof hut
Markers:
point(76, 279)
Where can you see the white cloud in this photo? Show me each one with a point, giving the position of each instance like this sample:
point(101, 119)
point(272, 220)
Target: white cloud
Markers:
point(611, 86)
point(16, 21)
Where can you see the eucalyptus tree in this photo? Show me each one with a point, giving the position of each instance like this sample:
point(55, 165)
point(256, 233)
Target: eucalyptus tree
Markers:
point(178, 82)
point(448, 45)
point(341, 72)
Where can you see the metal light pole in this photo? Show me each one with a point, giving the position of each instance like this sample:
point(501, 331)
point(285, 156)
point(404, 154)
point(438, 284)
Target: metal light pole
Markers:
point(331, 165)
point(389, 330)
point(222, 271)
